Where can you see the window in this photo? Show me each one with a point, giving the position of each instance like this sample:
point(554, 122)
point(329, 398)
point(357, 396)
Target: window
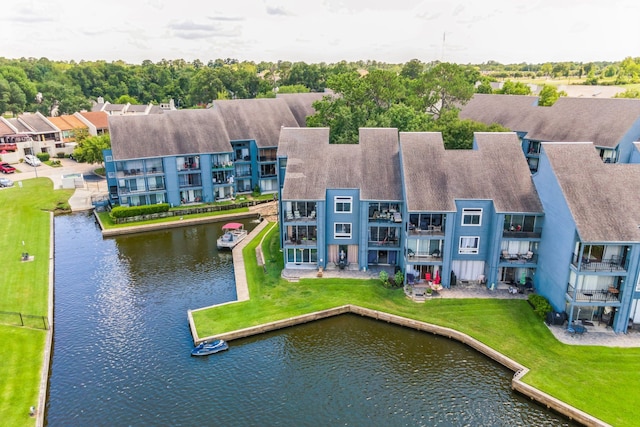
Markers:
point(108, 159)
point(469, 245)
point(342, 204)
point(471, 217)
point(342, 230)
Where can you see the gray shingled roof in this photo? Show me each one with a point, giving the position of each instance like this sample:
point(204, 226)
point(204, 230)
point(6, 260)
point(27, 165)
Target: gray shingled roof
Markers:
point(435, 178)
point(37, 122)
point(200, 131)
point(169, 134)
point(604, 121)
point(300, 104)
point(602, 197)
point(257, 119)
point(21, 127)
point(511, 111)
point(314, 165)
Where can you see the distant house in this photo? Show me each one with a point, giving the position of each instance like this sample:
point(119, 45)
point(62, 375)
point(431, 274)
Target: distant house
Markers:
point(590, 251)
point(97, 122)
point(613, 125)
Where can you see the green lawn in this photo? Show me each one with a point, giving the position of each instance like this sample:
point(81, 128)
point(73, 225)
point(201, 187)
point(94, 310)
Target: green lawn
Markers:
point(108, 224)
point(601, 381)
point(24, 288)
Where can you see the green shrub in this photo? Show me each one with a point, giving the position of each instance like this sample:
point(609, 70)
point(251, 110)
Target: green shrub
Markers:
point(60, 155)
point(43, 157)
point(540, 305)
point(384, 278)
point(398, 279)
point(126, 212)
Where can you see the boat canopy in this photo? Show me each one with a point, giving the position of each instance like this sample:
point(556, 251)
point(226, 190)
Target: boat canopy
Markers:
point(232, 226)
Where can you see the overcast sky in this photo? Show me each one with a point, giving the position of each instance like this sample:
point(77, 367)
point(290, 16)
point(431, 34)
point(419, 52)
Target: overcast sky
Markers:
point(313, 31)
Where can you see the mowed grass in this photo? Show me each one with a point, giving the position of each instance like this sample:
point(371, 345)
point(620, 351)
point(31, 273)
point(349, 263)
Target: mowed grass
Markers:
point(599, 380)
point(108, 224)
point(24, 288)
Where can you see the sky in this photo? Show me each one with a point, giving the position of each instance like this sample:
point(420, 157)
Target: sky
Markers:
point(314, 31)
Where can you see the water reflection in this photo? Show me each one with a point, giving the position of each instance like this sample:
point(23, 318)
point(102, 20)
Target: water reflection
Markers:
point(121, 351)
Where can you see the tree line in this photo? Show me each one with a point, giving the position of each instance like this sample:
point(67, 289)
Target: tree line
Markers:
point(414, 96)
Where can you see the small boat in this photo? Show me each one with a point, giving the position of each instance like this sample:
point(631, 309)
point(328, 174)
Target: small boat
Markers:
point(207, 348)
point(232, 234)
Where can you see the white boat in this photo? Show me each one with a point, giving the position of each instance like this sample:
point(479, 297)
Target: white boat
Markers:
point(232, 234)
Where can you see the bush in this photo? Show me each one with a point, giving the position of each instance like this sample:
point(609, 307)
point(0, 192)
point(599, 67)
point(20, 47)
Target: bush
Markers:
point(398, 279)
point(60, 155)
point(126, 212)
point(384, 278)
point(43, 157)
point(540, 305)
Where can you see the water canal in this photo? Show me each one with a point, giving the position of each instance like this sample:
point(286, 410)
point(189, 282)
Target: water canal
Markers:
point(121, 351)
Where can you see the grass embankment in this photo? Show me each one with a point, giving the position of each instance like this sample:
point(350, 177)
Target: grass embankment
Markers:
point(24, 288)
point(601, 381)
point(109, 224)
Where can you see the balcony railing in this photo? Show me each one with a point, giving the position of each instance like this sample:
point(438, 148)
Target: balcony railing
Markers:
point(609, 295)
point(520, 234)
point(389, 243)
point(595, 264)
point(300, 216)
point(519, 258)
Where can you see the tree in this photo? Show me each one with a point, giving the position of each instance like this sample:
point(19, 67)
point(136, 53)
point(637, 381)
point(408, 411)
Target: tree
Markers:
point(90, 149)
point(517, 88)
point(549, 95)
point(412, 69)
point(17, 99)
point(629, 93)
point(444, 87)
point(126, 99)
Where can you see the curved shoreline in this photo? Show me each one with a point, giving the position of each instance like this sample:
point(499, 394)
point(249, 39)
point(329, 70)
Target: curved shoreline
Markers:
point(519, 370)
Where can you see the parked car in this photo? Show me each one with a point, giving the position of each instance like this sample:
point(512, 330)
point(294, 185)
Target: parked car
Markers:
point(6, 168)
point(32, 160)
point(6, 182)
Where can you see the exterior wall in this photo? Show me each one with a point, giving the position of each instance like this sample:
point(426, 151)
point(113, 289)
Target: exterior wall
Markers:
point(171, 180)
point(626, 149)
point(484, 231)
point(557, 242)
point(353, 218)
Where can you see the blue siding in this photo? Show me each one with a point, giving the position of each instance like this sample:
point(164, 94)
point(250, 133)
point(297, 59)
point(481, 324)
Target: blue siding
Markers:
point(484, 231)
point(626, 150)
point(171, 180)
point(340, 217)
point(558, 238)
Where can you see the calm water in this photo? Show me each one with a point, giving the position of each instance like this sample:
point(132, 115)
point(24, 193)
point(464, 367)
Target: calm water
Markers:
point(121, 351)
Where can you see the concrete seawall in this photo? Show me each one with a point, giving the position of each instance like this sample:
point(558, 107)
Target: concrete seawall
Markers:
point(131, 229)
point(519, 370)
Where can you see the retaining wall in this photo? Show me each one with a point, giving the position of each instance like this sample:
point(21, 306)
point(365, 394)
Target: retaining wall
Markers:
point(516, 384)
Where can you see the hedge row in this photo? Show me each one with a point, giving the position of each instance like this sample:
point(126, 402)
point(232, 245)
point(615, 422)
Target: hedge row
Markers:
point(540, 305)
point(126, 212)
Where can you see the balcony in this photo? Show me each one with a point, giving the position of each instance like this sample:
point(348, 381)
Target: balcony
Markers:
point(420, 256)
point(387, 243)
point(525, 258)
point(300, 216)
point(601, 295)
point(514, 233)
point(590, 263)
